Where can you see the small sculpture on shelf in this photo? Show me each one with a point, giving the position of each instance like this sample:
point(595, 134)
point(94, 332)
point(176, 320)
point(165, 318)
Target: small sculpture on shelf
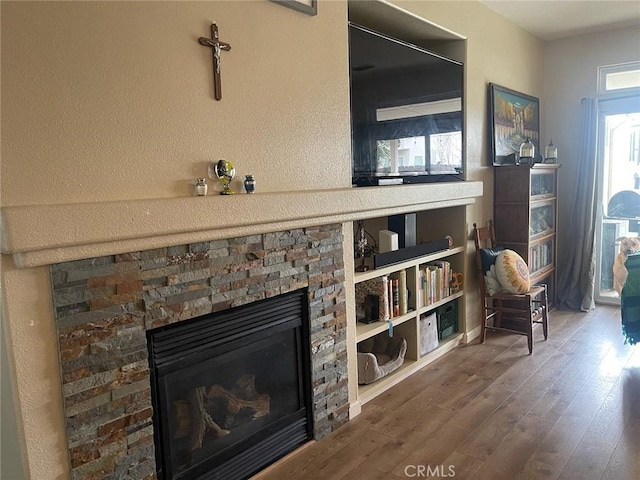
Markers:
point(363, 248)
point(457, 279)
point(224, 171)
point(449, 241)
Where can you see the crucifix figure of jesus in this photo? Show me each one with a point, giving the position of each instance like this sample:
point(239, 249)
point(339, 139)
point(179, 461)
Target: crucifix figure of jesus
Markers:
point(216, 45)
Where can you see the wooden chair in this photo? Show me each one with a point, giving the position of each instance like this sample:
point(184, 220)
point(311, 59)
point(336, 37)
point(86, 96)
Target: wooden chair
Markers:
point(510, 312)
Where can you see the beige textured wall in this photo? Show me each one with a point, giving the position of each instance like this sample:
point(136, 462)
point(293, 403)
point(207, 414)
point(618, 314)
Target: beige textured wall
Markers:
point(11, 465)
point(571, 73)
point(32, 346)
point(117, 104)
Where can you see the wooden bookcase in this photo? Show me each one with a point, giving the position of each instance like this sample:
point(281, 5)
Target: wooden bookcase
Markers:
point(525, 217)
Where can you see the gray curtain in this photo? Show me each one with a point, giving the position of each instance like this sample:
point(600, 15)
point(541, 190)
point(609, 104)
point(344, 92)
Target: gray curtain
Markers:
point(577, 272)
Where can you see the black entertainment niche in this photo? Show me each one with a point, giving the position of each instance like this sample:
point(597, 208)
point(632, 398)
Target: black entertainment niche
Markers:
point(406, 112)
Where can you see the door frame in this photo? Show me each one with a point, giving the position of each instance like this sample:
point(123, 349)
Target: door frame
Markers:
point(611, 104)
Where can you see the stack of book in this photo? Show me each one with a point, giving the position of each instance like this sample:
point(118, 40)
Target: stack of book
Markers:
point(435, 281)
point(540, 256)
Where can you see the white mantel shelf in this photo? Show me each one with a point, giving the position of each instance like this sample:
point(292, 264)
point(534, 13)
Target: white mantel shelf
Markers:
point(45, 234)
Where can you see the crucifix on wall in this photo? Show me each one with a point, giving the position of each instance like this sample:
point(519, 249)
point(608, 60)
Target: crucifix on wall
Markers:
point(217, 46)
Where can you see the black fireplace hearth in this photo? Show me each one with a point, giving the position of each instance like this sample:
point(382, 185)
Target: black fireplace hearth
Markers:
point(231, 391)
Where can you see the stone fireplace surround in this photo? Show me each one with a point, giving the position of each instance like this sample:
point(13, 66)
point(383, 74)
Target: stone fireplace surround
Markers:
point(104, 306)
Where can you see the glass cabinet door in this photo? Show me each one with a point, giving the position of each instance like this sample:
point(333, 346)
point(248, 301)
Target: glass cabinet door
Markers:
point(542, 219)
point(543, 185)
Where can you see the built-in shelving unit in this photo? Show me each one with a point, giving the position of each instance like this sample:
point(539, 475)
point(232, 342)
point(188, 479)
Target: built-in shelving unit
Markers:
point(366, 330)
point(409, 325)
point(437, 216)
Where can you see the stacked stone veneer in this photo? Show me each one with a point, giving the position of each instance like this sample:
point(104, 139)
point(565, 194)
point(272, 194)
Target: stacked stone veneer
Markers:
point(104, 307)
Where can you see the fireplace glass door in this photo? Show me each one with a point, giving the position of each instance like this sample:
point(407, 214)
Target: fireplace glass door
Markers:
point(232, 390)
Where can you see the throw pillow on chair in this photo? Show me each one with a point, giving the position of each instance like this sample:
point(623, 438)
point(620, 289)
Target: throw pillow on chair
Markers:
point(512, 272)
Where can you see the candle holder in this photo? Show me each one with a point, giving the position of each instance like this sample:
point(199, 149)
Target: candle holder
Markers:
point(550, 153)
point(527, 151)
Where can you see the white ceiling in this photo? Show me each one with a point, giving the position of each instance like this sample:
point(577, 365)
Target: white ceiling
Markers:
point(554, 19)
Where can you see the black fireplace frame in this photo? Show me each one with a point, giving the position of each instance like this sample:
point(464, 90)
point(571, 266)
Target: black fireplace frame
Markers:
point(176, 346)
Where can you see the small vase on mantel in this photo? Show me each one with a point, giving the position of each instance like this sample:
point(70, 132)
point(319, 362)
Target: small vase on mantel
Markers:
point(249, 184)
point(201, 187)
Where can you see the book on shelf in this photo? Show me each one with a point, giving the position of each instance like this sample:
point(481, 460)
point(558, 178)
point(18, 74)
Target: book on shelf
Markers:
point(435, 281)
point(390, 297)
point(395, 299)
point(404, 293)
point(367, 290)
point(398, 294)
point(539, 257)
point(445, 277)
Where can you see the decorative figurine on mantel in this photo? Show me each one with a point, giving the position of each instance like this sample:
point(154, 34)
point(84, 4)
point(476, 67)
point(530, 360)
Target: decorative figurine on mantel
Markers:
point(225, 171)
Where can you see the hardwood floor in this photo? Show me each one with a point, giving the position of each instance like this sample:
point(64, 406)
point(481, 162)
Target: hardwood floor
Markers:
point(569, 411)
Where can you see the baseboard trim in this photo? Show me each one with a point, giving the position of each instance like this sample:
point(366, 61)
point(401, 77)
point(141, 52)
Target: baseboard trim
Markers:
point(473, 334)
point(355, 409)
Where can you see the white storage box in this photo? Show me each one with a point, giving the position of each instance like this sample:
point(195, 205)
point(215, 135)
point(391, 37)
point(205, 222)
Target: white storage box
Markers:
point(428, 333)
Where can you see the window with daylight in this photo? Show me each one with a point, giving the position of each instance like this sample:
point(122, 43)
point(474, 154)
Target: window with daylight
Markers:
point(617, 78)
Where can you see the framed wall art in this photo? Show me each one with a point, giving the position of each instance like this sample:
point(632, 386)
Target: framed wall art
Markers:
point(310, 7)
point(513, 117)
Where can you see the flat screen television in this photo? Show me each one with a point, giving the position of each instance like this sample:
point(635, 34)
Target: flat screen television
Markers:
point(406, 112)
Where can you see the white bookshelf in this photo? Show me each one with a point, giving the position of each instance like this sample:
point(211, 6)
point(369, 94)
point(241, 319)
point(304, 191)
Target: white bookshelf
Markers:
point(408, 325)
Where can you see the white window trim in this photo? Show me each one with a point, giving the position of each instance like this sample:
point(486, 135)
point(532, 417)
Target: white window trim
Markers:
point(605, 70)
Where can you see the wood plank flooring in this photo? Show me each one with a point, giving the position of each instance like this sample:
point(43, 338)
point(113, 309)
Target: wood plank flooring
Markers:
point(569, 411)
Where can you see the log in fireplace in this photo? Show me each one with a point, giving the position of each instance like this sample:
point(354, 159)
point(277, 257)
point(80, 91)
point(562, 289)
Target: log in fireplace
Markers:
point(231, 391)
